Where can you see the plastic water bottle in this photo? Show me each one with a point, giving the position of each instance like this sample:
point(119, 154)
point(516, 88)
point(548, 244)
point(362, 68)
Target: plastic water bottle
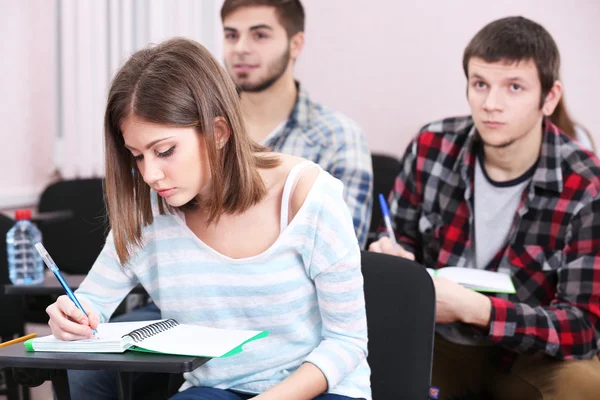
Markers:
point(25, 266)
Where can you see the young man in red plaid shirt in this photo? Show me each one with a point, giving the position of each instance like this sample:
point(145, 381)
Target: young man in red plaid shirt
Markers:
point(505, 190)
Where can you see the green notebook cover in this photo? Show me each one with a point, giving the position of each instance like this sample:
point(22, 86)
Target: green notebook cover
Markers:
point(233, 351)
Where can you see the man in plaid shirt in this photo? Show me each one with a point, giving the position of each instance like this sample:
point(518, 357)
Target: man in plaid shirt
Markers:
point(505, 190)
point(263, 39)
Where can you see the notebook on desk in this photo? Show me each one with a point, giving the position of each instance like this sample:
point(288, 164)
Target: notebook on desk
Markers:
point(162, 336)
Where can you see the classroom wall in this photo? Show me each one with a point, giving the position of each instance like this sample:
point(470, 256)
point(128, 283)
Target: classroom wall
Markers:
point(28, 103)
point(395, 65)
point(390, 65)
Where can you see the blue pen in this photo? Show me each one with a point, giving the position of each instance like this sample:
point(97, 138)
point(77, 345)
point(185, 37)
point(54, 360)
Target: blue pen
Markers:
point(387, 220)
point(52, 265)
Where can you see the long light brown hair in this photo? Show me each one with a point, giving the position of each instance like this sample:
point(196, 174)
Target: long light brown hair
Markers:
point(561, 118)
point(177, 83)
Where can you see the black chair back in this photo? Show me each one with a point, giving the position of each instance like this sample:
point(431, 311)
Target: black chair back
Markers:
point(385, 171)
point(400, 302)
point(75, 237)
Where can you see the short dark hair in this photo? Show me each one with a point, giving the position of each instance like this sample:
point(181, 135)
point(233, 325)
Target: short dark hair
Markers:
point(289, 12)
point(514, 39)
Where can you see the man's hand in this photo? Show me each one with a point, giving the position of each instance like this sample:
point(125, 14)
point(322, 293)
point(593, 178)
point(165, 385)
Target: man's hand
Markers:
point(457, 303)
point(386, 246)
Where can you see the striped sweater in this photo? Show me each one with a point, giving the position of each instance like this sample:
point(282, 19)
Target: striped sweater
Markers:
point(306, 289)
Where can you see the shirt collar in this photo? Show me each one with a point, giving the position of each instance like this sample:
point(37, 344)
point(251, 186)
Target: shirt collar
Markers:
point(548, 174)
point(300, 115)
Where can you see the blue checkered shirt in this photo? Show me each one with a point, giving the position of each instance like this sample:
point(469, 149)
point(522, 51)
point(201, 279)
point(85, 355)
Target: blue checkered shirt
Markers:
point(338, 145)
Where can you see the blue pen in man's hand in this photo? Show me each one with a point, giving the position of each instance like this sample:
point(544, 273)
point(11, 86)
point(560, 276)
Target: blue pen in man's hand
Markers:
point(52, 265)
point(387, 220)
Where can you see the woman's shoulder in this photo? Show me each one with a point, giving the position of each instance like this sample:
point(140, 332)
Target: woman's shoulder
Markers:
point(294, 175)
point(289, 168)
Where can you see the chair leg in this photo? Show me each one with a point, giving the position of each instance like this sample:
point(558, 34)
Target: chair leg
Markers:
point(25, 393)
point(60, 382)
point(12, 387)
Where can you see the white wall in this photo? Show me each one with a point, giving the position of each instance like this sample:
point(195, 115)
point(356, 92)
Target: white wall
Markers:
point(396, 65)
point(29, 84)
point(28, 103)
point(390, 65)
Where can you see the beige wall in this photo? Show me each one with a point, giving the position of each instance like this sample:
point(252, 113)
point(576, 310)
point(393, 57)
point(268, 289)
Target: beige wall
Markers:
point(28, 103)
point(390, 65)
point(395, 65)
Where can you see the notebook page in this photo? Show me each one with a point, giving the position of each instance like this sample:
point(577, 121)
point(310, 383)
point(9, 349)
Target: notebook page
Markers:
point(107, 340)
point(196, 340)
point(478, 279)
point(115, 330)
point(107, 333)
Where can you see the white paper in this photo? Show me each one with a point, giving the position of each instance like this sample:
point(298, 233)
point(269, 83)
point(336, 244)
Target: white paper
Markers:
point(476, 279)
point(197, 341)
point(108, 340)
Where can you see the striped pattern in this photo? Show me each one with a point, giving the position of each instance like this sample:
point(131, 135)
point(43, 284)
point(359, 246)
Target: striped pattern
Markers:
point(306, 290)
point(338, 145)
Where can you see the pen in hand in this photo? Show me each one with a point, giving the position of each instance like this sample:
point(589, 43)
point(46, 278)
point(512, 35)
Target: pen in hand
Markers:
point(388, 221)
point(52, 266)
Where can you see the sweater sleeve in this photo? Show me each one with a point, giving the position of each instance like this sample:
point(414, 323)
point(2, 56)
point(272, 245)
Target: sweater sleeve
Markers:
point(335, 269)
point(107, 283)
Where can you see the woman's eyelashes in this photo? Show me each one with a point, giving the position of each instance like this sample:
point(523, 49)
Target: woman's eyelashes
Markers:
point(167, 153)
point(164, 154)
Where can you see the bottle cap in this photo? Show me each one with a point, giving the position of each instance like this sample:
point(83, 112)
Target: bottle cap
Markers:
point(22, 215)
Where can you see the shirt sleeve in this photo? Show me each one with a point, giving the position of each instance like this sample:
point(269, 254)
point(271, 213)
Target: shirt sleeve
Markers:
point(568, 328)
point(335, 269)
point(351, 163)
point(107, 283)
point(405, 202)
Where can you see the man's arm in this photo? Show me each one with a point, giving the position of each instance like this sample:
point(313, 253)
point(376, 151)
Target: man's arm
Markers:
point(351, 164)
point(569, 328)
point(405, 202)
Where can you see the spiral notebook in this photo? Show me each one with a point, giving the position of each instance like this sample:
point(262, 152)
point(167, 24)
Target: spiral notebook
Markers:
point(163, 336)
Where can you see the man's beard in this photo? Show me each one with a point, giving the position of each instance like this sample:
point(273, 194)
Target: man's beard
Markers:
point(274, 72)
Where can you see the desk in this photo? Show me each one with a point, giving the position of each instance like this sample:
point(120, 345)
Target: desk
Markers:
point(51, 286)
point(33, 368)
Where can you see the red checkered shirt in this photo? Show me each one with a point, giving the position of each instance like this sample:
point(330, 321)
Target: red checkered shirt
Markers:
point(552, 251)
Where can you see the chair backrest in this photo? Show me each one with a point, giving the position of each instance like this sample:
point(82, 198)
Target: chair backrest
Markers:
point(74, 241)
point(400, 302)
point(385, 171)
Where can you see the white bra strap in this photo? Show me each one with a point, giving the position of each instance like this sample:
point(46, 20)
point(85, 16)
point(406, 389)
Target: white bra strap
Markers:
point(288, 188)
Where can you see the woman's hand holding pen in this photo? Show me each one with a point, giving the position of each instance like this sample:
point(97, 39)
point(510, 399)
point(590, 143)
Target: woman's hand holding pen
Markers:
point(70, 323)
point(386, 246)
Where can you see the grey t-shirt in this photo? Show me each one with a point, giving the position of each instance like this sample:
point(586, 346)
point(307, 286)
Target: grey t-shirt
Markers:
point(495, 206)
